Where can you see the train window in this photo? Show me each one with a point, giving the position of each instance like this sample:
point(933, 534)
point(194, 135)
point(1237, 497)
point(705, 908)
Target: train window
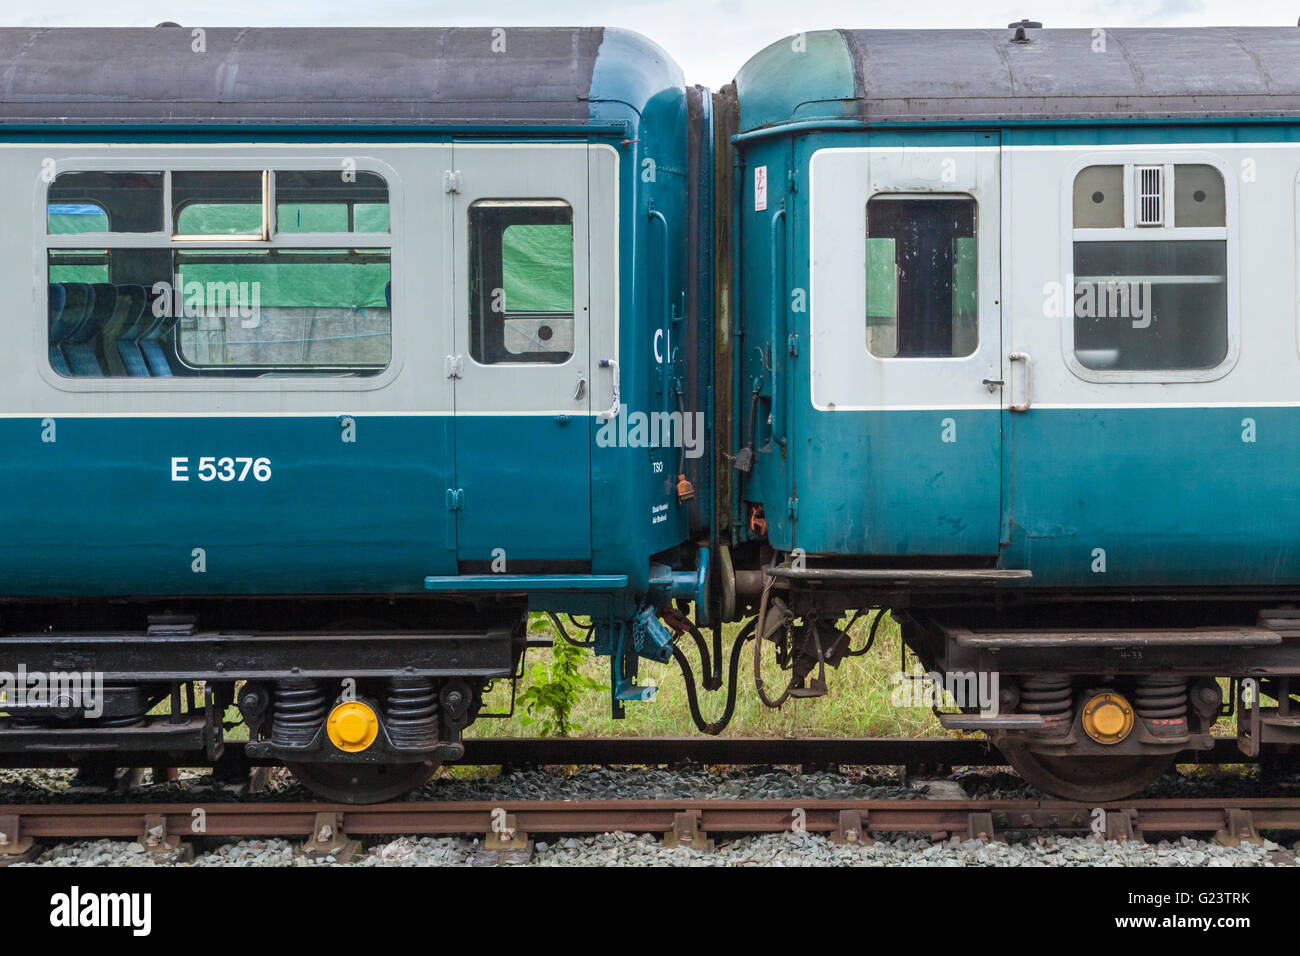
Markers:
point(219, 205)
point(1150, 293)
point(191, 303)
point(286, 309)
point(162, 313)
point(86, 202)
point(922, 277)
point(521, 281)
point(1099, 198)
point(79, 265)
point(1198, 196)
point(330, 201)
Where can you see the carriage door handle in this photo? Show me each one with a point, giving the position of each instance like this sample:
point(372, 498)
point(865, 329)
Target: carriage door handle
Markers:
point(1029, 387)
point(612, 411)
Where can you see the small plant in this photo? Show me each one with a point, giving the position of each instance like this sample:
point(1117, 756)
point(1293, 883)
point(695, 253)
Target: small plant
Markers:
point(554, 687)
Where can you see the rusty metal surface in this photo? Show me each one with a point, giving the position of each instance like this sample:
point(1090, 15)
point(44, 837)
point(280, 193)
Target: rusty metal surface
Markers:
point(1234, 815)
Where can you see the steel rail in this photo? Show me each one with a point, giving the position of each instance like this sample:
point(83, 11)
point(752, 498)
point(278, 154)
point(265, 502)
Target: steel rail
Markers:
point(1238, 818)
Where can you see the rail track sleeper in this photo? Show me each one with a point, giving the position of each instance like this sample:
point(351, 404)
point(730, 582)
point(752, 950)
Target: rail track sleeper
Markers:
point(329, 839)
point(15, 846)
point(1240, 828)
point(979, 826)
point(687, 832)
point(505, 833)
point(1120, 825)
point(160, 844)
point(851, 828)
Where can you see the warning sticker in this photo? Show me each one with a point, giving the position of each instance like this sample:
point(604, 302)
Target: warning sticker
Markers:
point(760, 188)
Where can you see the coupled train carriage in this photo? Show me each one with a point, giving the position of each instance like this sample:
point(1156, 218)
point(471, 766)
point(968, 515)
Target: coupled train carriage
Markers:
point(332, 353)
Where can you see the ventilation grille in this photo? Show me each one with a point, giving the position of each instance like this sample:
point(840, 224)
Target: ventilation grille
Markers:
point(1151, 195)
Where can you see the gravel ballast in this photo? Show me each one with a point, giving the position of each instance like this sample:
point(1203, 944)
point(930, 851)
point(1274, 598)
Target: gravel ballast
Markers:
point(622, 849)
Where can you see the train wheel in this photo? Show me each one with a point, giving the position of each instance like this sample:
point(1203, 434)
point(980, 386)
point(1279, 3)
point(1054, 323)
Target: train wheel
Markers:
point(362, 782)
point(1087, 779)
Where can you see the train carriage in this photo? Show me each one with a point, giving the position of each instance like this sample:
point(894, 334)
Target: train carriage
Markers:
point(312, 335)
point(333, 353)
point(1016, 347)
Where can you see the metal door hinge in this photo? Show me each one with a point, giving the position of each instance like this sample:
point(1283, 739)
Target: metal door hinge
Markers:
point(793, 506)
point(451, 180)
point(455, 365)
point(455, 498)
point(793, 343)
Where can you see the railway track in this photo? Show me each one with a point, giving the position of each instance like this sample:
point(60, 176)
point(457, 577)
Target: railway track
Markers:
point(633, 751)
point(509, 824)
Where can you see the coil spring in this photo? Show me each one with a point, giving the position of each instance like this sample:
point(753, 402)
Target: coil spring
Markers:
point(300, 707)
point(412, 712)
point(1052, 696)
point(1159, 697)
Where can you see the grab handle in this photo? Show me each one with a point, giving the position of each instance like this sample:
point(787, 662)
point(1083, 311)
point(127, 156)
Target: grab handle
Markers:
point(612, 411)
point(1029, 385)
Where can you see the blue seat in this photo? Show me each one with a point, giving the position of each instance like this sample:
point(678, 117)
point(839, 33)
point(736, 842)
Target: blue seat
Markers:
point(131, 301)
point(82, 348)
point(67, 324)
point(58, 297)
point(128, 340)
point(152, 347)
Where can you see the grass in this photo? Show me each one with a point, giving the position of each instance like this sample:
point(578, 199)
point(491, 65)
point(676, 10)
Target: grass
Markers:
point(857, 705)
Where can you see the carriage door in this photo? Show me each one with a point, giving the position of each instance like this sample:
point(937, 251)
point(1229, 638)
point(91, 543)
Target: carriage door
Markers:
point(907, 234)
point(521, 363)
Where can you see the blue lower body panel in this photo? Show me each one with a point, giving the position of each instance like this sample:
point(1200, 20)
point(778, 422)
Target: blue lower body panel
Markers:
point(103, 509)
point(900, 483)
point(1155, 497)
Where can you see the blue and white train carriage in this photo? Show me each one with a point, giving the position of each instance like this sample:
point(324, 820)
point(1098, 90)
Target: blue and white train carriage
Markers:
point(1016, 356)
point(333, 352)
point(312, 336)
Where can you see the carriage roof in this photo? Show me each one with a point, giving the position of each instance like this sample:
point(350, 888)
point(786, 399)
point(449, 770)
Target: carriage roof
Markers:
point(937, 76)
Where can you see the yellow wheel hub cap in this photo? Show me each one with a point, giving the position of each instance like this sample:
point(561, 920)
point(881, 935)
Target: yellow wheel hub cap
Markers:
point(352, 726)
point(1107, 718)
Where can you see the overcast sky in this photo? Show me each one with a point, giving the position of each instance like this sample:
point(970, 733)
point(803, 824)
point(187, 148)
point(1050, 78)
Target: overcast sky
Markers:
point(709, 38)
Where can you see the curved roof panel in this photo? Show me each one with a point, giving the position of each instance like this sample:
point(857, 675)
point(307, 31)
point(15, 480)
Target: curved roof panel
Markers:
point(989, 75)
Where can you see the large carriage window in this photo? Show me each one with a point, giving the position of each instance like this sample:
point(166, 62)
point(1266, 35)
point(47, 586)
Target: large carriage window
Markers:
point(330, 201)
point(219, 295)
point(81, 202)
point(1150, 268)
point(922, 277)
point(521, 281)
point(287, 309)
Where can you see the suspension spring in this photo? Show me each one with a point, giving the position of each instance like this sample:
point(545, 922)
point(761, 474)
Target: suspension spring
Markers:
point(1160, 696)
point(300, 707)
point(412, 712)
point(1051, 696)
point(1161, 701)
